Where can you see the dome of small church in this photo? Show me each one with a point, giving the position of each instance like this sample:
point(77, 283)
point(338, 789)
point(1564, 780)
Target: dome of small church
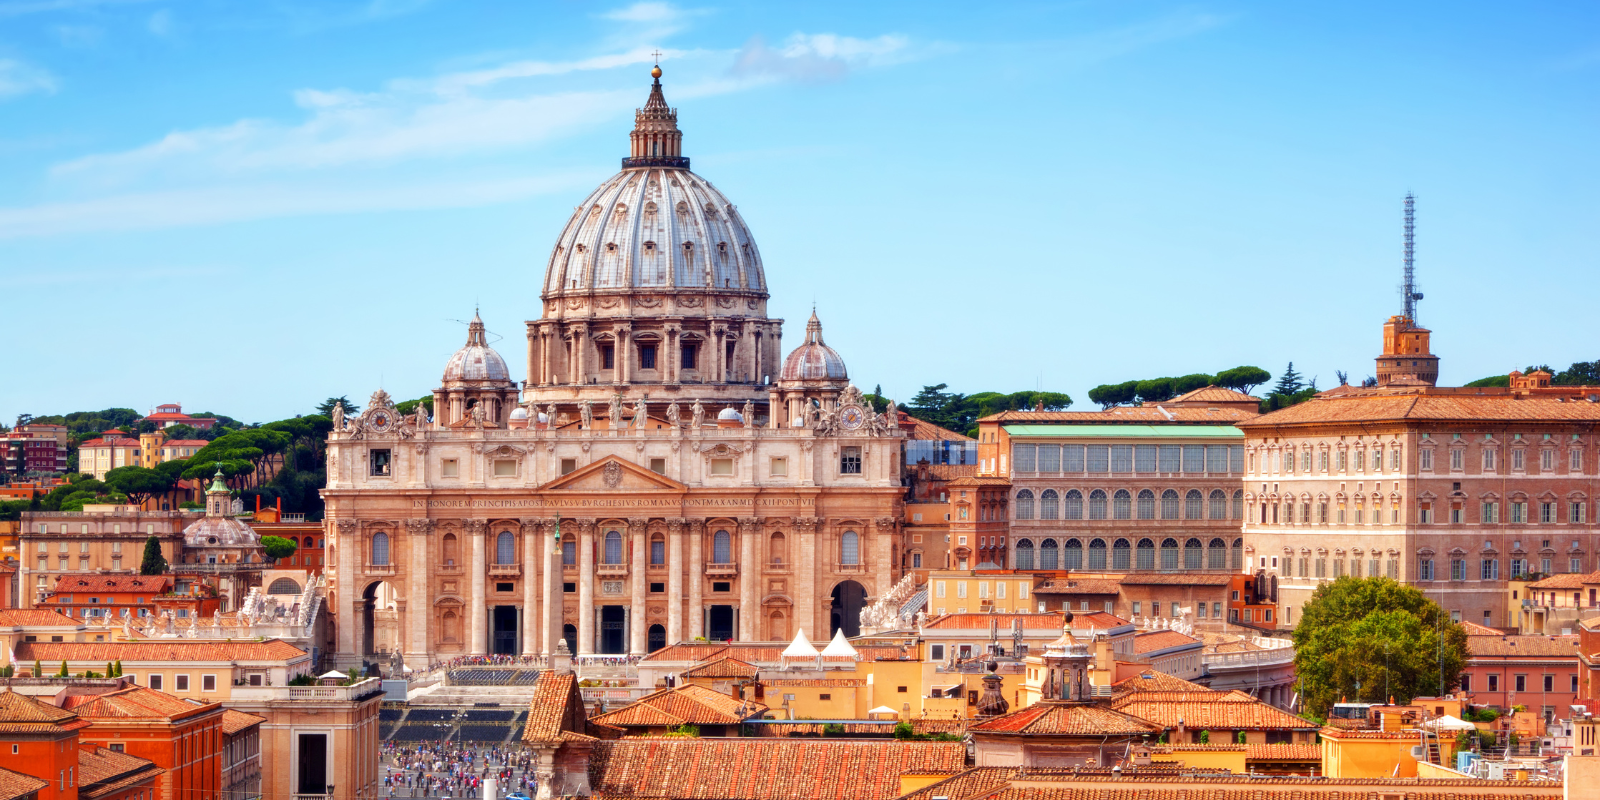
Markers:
point(813, 360)
point(656, 226)
point(729, 415)
point(476, 361)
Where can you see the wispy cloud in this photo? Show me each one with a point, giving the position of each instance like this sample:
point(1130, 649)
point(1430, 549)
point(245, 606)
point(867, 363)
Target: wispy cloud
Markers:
point(19, 78)
point(160, 23)
point(817, 57)
point(1113, 43)
point(79, 36)
point(647, 22)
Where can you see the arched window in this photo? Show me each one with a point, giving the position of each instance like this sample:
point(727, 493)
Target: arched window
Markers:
point(1238, 504)
point(1237, 561)
point(1147, 504)
point(1193, 505)
point(1025, 504)
point(1072, 555)
point(1025, 554)
point(1097, 554)
point(505, 548)
point(850, 548)
point(1147, 554)
point(1219, 504)
point(452, 626)
point(1169, 554)
point(1048, 554)
point(1097, 504)
point(284, 586)
point(380, 549)
point(1122, 505)
point(1119, 554)
point(657, 638)
point(778, 548)
point(613, 549)
point(1049, 504)
point(1193, 554)
point(1217, 554)
point(452, 554)
point(658, 550)
point(1169, 504)
point(569, 551)
point(1073, 505)
point(721, 548)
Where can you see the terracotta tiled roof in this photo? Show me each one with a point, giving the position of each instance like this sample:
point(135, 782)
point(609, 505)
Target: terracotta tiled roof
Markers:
point(135, 702)
point(15, 784)
point(1151, 641)
point(1147, 784)
point(1214, 394)
point(1136, 415)
point(1208, 710)
point(1566, 580)
point(1474, 629)
point(556, 711)
point(682, 705)
point(764, 769)
point(103, 772)
point(21, 617)
point(815, 683)
point(1067, 719)
point(1422, 406)
point(687, 652)
point(949, 472)
point(1527, 646)
point(22, 714)
point(1154, 681)
point(722, 668)
point(1175, 579)
point(1047, 621)
point(185, 443)
point(979, 480)
point(83, 582)
point(234, 722)
point(164, 650)
point(1079, 586)
point(974, 782)
point(116, 443)
point(1283, 752)
point(1099, 620)
point(926, 430)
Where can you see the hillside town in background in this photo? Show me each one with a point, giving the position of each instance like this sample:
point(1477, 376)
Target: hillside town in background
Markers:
point(678, 559)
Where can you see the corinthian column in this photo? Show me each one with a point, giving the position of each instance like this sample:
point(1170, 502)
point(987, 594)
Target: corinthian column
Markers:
point(636, 569)
point(419, 610)
point(530, 583)
point(478, 641)
point(345, 561)
point(806, 602)
point(749, 579)
point(675, 580)
point(550, 554)
point(697, 578)
point(586, 588)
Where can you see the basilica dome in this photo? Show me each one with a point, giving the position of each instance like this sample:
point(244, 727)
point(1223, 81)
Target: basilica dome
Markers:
point(813, 360)
point(476, 361)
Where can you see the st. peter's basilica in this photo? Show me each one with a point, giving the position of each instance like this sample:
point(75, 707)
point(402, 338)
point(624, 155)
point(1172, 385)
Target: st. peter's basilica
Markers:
point(661, 475)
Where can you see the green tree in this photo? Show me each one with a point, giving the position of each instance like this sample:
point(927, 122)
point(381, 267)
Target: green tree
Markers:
point(138, 483)
point(1242, 378)
point(1387, 636)
point(1188, 383)
point(277, 547)
point(63, 673)
point(1581, 373)
point(1157, 390)
point(342, 401)
point(38, 669)
point(1114, 394)
point(153, 563)
point(1289, 382)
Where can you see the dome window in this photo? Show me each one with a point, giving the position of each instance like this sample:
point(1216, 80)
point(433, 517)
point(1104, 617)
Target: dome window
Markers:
point(649, 247)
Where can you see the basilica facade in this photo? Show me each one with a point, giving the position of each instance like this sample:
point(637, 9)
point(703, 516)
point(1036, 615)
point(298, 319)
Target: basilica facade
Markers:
point(661, 475)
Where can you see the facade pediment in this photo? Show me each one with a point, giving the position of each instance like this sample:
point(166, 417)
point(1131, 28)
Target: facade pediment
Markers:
point(613, 474)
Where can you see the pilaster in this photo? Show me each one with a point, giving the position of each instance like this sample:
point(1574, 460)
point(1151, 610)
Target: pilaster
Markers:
point(637, 640)
point(419, 611)
point(479, 618)
point(586, 588)
point(531, 570)
point(749, 579)
point(697, 579)
point(675, 598)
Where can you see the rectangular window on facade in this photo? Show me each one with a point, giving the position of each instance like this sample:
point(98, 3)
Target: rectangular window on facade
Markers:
point(1519, 460)
point(1549, 683)
point(686, 358)
point(936, 652)
point(1521, 682)
point(1458, 569)
point(1547, 460)
point(155, 682)
point(1457, 458)
point(378, 462)
point(1519, 513)
point(1236, 458)
point(1575, 513)
point(1574, 564)
point(938, 589)
point(1322, 567)
point(1394, 569)
point(1466, 682)
point(1575, 460)
point(180, 683)
point(1072, 458)
point(608, 357)
point(1025, 457)
point(1424, 515)
point(1519, 566)
point(1098, 458)
point(1547, 512)
point(1361, 460)
point(1489, 513)
point(1424, 459)
point(658, 466)
point(1144, 458)
point(208, 683)
point(1049, 458)
point(849, 461)
point(1171, 458)
point(568, 465)
point(505, 468)
point(1494, 680)
point(647, 356)
point(1489, 569)
point(724, 466)
point(1338, 568)
point(1122, 458)
point(1488, 460)
point(1342, 461)
point(780, 467)
point(1194, 459)
point(1138, 607)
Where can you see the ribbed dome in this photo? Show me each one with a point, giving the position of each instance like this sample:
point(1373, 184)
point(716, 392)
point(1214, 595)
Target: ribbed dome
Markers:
point(477, 361)
point(813, 361)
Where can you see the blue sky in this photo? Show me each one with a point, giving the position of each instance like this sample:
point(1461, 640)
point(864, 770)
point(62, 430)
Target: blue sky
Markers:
point(248, 207)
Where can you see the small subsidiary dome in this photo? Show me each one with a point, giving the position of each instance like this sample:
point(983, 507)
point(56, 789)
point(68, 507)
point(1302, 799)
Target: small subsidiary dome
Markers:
point(477, 361)
point(519, 413)
point(730, 415)
point(813, 360)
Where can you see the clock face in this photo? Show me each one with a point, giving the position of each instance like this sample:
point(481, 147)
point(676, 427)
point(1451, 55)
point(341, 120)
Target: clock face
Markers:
point(852, 417)
point(380, 420)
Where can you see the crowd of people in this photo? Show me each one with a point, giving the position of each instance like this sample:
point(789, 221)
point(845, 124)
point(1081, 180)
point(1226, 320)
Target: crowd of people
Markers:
point(453, 771)
point(487, 661)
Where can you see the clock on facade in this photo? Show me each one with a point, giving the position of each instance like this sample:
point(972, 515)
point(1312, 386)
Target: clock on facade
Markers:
point(851, 417)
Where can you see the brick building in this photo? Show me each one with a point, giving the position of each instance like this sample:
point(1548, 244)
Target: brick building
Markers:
point(184, 739)
point(167, 415)
point(55, 745)
point(1539, 672)
point(34, 448)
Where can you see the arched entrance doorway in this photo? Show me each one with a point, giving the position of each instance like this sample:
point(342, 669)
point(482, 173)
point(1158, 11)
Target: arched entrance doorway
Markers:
point(848, 599)
point(658, 638)
point(380, 619)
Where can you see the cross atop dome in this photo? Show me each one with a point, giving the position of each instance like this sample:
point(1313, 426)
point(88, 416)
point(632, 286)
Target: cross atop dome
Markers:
point(656, 140)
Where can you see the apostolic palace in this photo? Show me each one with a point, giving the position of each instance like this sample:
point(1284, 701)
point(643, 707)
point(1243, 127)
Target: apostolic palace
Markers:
point(664, 472)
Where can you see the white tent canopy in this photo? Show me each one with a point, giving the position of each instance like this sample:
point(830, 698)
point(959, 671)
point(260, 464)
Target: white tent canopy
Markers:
point(333, 674)
point(800, 647)
point(839, 647)
point(1449, 723)
point(883, 710)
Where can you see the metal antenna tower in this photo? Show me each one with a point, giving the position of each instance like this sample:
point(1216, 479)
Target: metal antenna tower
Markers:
point(1410, 288)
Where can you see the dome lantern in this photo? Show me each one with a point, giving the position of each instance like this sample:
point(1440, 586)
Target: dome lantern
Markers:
point(656, 140)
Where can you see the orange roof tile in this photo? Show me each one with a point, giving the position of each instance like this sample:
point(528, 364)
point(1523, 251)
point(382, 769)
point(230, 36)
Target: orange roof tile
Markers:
point(1099, 620)
point(1283, 752)
point(22, 617)
point(815, 683)
point(1065, 719)
point(556, 711)
point(15, 784)
point(1420, 406)
point(1208, 710)
point(764, 768)
point(1047, 621)
point(689, 704)
point(234, 722)
point(1474, 629)
point(164, 650)
point(722, 668)
point(1133, 415)
point(1525, 646)
point(1071, 585)
point(1154, 681)
point(135, 702)
point(925, 430)
point(1176, 579)
point(1567, 580)
point(1213, 394)
point(22, 714)
point(85, 582)
point(103, 772)
point(1152, 641)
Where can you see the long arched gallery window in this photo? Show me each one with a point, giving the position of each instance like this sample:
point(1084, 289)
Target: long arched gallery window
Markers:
point(505, 548)
point(380, 549)
point(721, 548)
point(1025, 504)
point(1049, 554)
point(613, 551)
point(850, 548)
point(1025, 554)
